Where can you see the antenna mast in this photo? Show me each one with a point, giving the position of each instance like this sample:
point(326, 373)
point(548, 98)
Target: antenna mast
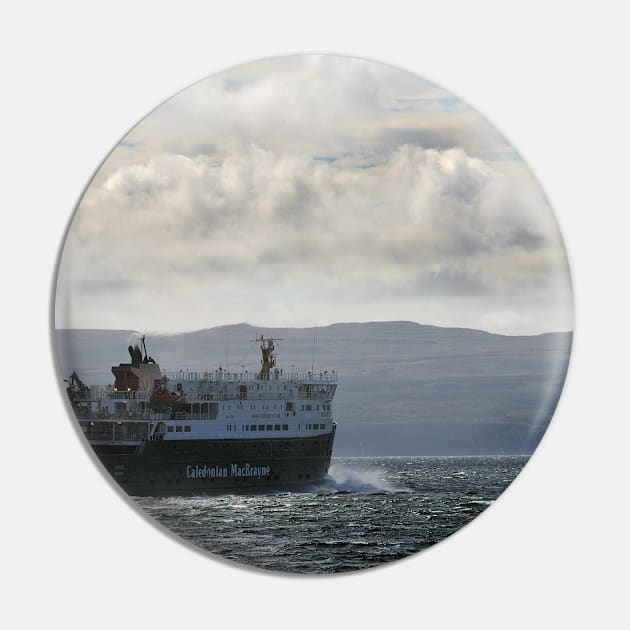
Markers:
point(227, 350)
point(313, 358)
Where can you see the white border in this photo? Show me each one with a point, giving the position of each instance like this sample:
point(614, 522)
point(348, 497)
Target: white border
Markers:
point(551, 76)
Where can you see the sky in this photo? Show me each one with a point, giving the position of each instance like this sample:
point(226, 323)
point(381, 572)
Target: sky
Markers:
point(309, 190)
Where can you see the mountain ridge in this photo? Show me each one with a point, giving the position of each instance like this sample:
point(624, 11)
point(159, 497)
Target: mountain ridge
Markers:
point(404, 387)
point(321, 327)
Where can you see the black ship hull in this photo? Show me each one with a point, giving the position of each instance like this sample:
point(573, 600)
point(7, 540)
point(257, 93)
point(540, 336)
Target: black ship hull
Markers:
point(190, 467)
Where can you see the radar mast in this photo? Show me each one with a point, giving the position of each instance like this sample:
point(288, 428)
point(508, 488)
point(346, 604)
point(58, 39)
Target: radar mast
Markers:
point(268, 360)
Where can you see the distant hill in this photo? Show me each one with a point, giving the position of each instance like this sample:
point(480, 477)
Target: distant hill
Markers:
point(404, 388)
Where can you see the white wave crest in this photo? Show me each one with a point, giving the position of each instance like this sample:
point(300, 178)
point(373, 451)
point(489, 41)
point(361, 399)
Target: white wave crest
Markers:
point(342, 478)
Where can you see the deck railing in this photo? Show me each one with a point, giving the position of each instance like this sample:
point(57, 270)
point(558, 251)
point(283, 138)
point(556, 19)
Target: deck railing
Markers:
point(248, 377)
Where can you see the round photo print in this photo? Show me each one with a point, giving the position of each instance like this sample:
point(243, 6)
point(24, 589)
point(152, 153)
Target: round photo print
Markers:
point(313, 314)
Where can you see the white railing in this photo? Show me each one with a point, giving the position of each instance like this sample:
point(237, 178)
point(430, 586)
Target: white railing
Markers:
point(127, 395)
point(125, 416)
point(247, 377)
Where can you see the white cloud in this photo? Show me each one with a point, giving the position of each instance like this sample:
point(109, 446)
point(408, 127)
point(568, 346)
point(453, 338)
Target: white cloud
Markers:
point(314, 187)
point(282, 238)
point(311, 105)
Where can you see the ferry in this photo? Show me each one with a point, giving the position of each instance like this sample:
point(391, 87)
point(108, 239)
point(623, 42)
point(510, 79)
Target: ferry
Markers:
point(186, 433)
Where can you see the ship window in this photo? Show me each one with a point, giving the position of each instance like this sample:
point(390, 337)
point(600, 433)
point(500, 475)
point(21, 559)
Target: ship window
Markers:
point(276, 427)
point(170, 429)
point(269, 427)
point(254, 428)
point(178, 429)
point(285, 427)
point(261, 427)
point(247, 427)
point(187, 428)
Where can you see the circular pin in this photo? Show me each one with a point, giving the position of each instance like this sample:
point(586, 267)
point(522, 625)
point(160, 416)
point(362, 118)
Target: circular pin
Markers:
point(313, 314)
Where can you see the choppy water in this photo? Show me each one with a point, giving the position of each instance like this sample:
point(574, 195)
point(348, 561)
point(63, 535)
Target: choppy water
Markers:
point(367, 512)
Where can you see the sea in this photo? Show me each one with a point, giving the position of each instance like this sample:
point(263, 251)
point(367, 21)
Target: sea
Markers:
point(367, 512)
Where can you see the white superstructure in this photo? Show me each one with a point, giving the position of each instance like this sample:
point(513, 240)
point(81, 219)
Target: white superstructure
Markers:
point(215, 404)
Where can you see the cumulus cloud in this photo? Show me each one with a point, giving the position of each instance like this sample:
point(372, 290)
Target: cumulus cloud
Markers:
point(313, 188)
point(313, 105)
point(423, 224)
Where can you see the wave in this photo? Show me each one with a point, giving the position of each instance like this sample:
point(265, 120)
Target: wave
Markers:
point(343, 479)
